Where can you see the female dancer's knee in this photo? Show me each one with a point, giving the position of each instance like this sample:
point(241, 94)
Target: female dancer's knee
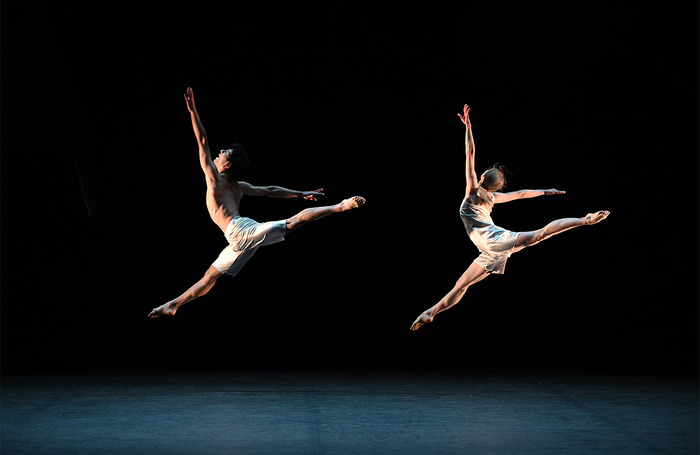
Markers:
point(462, 285)
point(540, 235)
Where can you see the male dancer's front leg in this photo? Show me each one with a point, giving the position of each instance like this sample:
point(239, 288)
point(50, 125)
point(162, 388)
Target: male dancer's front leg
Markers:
point(315, 213)
point(204, 285)
point(473, 274)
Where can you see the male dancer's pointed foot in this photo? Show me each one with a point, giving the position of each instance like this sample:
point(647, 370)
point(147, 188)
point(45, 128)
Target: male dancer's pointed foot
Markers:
point(164, 310)
point(597, 217)
point(424, 318)
point(353, 203)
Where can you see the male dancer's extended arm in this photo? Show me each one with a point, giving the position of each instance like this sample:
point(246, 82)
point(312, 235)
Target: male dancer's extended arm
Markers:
point(469, 150)
point(278, 191)
point(210, 171)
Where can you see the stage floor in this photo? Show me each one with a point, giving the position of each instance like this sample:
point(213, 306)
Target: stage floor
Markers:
point(348, 413)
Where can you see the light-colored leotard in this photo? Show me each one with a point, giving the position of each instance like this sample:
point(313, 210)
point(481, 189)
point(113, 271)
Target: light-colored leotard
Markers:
point(495, 243)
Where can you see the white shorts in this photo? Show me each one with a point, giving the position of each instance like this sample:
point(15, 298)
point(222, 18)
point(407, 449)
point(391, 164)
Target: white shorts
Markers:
point(245, 236)
point(495, 245)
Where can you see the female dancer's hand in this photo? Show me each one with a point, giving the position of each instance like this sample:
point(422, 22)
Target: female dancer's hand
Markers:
point(465, 117)
point(553, 191)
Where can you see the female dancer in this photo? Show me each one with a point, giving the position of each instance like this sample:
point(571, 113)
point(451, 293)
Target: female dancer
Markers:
point(494, 243)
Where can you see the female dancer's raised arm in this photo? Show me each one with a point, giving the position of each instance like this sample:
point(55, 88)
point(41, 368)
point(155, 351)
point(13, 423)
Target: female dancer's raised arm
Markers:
point(469, 150)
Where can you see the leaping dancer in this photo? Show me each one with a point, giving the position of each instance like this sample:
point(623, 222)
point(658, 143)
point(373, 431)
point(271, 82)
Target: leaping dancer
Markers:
point(494, 243)
point(223, 198)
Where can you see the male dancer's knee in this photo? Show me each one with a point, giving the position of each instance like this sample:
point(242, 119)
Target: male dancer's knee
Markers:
point(298, 219)
point(210, 276)
point(204, 285)
point(536, 237)
point(290, 224)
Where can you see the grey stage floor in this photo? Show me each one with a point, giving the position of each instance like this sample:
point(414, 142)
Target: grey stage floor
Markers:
point(307, 413)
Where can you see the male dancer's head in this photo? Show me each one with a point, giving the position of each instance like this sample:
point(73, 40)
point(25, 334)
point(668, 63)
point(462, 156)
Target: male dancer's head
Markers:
point(233, 161)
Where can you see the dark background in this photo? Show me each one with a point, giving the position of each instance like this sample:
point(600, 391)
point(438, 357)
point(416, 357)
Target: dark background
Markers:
point(103, 214)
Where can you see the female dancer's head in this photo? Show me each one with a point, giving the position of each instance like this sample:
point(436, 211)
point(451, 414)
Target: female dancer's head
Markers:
point(494, 178)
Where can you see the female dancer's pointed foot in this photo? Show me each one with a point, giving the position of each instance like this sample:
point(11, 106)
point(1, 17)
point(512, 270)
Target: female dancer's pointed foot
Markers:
point(164, 310)
point(353, 203)
point(597, 217)
point(424, 318)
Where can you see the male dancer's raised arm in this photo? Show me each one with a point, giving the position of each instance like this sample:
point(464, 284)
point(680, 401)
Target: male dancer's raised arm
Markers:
point(210, 171)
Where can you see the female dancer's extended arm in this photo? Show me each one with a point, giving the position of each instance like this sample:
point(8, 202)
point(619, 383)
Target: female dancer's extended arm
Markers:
point(469, 150)
point(499, 198)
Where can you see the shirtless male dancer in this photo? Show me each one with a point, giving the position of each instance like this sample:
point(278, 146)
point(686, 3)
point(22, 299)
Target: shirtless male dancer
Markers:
point(494, 243)
point(223, 197)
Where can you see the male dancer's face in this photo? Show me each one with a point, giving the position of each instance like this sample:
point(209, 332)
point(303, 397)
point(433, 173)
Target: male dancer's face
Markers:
point(221, 161)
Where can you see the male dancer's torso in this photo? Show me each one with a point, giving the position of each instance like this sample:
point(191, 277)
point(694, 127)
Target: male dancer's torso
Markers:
point(223, 200)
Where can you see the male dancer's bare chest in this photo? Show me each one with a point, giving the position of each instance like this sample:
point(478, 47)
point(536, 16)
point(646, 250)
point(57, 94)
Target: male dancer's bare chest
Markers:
point(224, 198)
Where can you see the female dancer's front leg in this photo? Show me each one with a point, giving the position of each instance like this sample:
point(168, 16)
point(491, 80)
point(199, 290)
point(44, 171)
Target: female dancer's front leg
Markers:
point(531, 238)
point(473, 274)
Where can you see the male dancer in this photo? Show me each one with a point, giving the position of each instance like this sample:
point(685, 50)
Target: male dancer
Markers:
point(223, 198)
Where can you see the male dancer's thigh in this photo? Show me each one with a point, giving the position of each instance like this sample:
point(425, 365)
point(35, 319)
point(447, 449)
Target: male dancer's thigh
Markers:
point(246, 233)
point(231, 262)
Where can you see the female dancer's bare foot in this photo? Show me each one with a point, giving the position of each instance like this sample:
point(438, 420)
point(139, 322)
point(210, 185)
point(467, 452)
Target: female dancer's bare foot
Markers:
point(352, 203)
point(597, 217)
point(166, 309)
point(424, 318)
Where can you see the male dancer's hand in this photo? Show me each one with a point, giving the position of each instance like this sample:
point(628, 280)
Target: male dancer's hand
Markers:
point(189, 97)
point(311, 195)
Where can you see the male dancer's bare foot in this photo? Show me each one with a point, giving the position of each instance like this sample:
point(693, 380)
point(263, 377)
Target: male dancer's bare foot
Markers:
point(424, 318)
point(597, 217)
point(352, 203)
point(164, 310)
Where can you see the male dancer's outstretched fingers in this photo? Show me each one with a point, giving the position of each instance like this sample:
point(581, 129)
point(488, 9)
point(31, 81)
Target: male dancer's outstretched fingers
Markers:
point(311, 195)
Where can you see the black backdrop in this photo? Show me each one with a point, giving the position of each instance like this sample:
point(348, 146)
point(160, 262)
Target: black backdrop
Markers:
point(597, 99)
